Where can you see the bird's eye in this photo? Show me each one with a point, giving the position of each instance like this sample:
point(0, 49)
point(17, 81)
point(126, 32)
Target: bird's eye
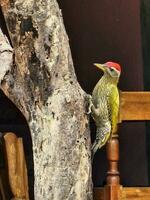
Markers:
point(111, 69)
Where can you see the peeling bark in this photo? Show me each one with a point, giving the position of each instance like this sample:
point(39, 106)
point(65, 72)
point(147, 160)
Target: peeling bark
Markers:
point(42, 84)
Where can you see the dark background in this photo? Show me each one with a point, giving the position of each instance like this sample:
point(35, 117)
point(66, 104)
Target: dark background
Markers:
point(145, 24)
point(100, 31)
point(111, 30)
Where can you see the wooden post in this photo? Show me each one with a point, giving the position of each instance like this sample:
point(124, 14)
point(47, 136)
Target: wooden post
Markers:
point(16, 166)
point(112, 188)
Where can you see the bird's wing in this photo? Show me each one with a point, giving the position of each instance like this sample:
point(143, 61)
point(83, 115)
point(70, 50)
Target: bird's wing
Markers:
point(113, 106)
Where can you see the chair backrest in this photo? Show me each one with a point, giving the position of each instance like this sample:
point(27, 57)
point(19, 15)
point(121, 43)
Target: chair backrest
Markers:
point(17, 170)
point(134, 106)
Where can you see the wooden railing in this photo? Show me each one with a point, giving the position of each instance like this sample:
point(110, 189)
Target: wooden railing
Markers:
point(133, 106)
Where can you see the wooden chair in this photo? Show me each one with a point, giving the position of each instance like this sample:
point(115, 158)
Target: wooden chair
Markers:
point(17, 171)
point(133, 106)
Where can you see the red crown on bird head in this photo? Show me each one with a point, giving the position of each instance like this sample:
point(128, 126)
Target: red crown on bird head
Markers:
point(113, 64)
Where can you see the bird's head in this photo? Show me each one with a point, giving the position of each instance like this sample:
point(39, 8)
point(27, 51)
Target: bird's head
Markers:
point(111, 68)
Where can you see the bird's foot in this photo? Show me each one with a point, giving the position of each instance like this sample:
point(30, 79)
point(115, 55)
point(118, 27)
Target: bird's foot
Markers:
point(90, 104)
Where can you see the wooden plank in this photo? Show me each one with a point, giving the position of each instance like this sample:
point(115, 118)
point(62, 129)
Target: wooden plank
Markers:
point(136, 193)
point(17, 170)
point(134, 106)
point(127, 193)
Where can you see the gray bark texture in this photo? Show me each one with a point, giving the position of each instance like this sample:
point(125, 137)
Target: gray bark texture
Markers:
point(42, 83)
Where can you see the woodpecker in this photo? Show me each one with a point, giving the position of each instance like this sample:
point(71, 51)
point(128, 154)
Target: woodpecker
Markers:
point(104, 104)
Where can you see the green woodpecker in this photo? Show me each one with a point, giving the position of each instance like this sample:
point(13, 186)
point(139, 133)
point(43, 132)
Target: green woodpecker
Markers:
point(104, 104)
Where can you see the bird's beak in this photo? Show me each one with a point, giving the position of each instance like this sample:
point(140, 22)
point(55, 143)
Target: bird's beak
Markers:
point(100, 66)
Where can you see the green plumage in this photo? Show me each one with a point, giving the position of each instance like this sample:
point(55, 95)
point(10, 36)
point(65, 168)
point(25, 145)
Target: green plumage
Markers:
point(105, 108)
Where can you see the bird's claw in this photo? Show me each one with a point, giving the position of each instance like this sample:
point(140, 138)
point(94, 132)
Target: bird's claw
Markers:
point(90, 104)
point(89, 109)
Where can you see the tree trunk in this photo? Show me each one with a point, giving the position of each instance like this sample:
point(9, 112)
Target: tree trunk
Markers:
point(42, 83)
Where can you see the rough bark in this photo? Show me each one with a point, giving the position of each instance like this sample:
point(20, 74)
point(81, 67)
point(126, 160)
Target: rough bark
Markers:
point(43, 85)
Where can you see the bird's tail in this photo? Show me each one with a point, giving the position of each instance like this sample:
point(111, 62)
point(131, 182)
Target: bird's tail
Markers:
point(102, 135)
point(95, 147)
